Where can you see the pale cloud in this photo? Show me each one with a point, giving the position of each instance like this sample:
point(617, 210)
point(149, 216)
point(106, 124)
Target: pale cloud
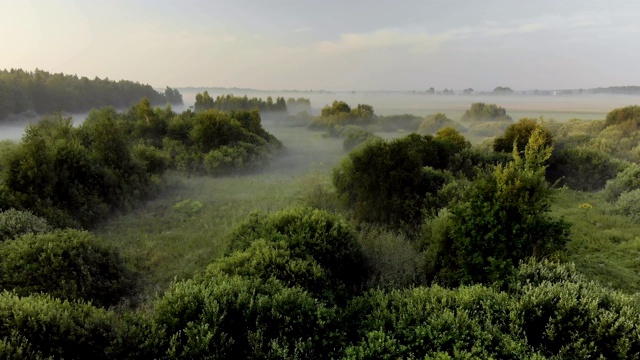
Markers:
point(306, 29)
point(383, 38)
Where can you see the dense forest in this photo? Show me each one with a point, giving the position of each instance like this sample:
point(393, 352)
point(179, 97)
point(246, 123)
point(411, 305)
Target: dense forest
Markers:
point(430, 238)
point(43, 93)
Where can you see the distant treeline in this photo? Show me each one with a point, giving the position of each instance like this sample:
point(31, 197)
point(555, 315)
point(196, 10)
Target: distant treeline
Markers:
point(231, 102)
point(43, 92)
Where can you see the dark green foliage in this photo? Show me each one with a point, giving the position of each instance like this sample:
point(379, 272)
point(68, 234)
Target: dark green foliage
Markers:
point(14, 223)
point(468, 322)
point(519, 133)
point(75, 176)
point(230, 102)
point(41, 327)
point(267, 259)
point(625, 181)
point(582, 168)
point(485, 112)
point(45, 93)
point(622, 115)
point(231, 317)
point(574, 318)
point(387, 182)
point(68, 264)
point(502, 220)
point(309, 235)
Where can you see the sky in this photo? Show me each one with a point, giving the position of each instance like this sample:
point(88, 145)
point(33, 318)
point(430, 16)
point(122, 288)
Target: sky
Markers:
point(327, 44)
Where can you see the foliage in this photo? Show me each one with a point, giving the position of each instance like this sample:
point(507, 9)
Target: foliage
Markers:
point(432, 123)
point(451, 136)
point(231, 102)
point(392, 123)
point(68, 264)
point(626, 180)
point(354, 136)
point(519, 133)
point(339, 113)
point(309, 234)
point(231, 317)
point(468, 322)
point(628, 204)
point(75, 176)
point(42, 327)
point(14, 223)
point(267, 259)
point(502, 220)
point(622, 115)
point(387, 182)
point(485, 112)
point(582, 168)
point(46, 93)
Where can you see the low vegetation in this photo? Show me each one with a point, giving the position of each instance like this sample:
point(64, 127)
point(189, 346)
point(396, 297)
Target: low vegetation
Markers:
point(417, 246)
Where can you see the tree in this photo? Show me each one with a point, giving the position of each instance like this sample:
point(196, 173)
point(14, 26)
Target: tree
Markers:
point(391, 182)
point(502, 219)
point(467, 91)
point(485, 112)
point(519, 134)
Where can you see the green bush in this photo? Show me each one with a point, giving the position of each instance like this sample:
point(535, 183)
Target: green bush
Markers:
point(579, 320)
point(231, 317)
point(622, 115)
point(626, 180)
point(628, 204)
point(433, 123)
point(265, 260)
point(485, 112)
point(583, 169)
point(405, 122)
point(502, 219)
point(387, 182)
point(354, 138)
point(518, 134)
point(41, 327)
point(68, 264)
point(14, 223)
point(153, 161)
point(468, 322)
point(309, 234)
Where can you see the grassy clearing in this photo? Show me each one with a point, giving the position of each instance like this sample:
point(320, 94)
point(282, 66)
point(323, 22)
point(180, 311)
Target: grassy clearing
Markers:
point(184, 228)
point(604, 247)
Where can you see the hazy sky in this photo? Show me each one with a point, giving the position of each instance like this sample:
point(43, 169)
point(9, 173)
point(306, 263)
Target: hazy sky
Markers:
point(329, 44)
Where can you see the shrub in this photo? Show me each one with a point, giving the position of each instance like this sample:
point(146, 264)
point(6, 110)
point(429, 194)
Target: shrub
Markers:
point(582, 168)
point(68, 264)
point(231, 317)
point(502, 220)
point(432, 123)
point(41, 327)
point(625, 114)
point(628, 204)
point(472, 322)
point(152, 160)
point(14, 223)
point(488, 129)
point(265, 260)
point(626, 180)
point(387, 182)
point(519, 134)
point(357, 137)
point(579, 319)
point(309, 234)
point(392, 123)
point(485, 112)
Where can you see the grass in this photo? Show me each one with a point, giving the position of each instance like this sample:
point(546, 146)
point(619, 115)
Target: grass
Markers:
point(165, 240)
point(604, 247)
